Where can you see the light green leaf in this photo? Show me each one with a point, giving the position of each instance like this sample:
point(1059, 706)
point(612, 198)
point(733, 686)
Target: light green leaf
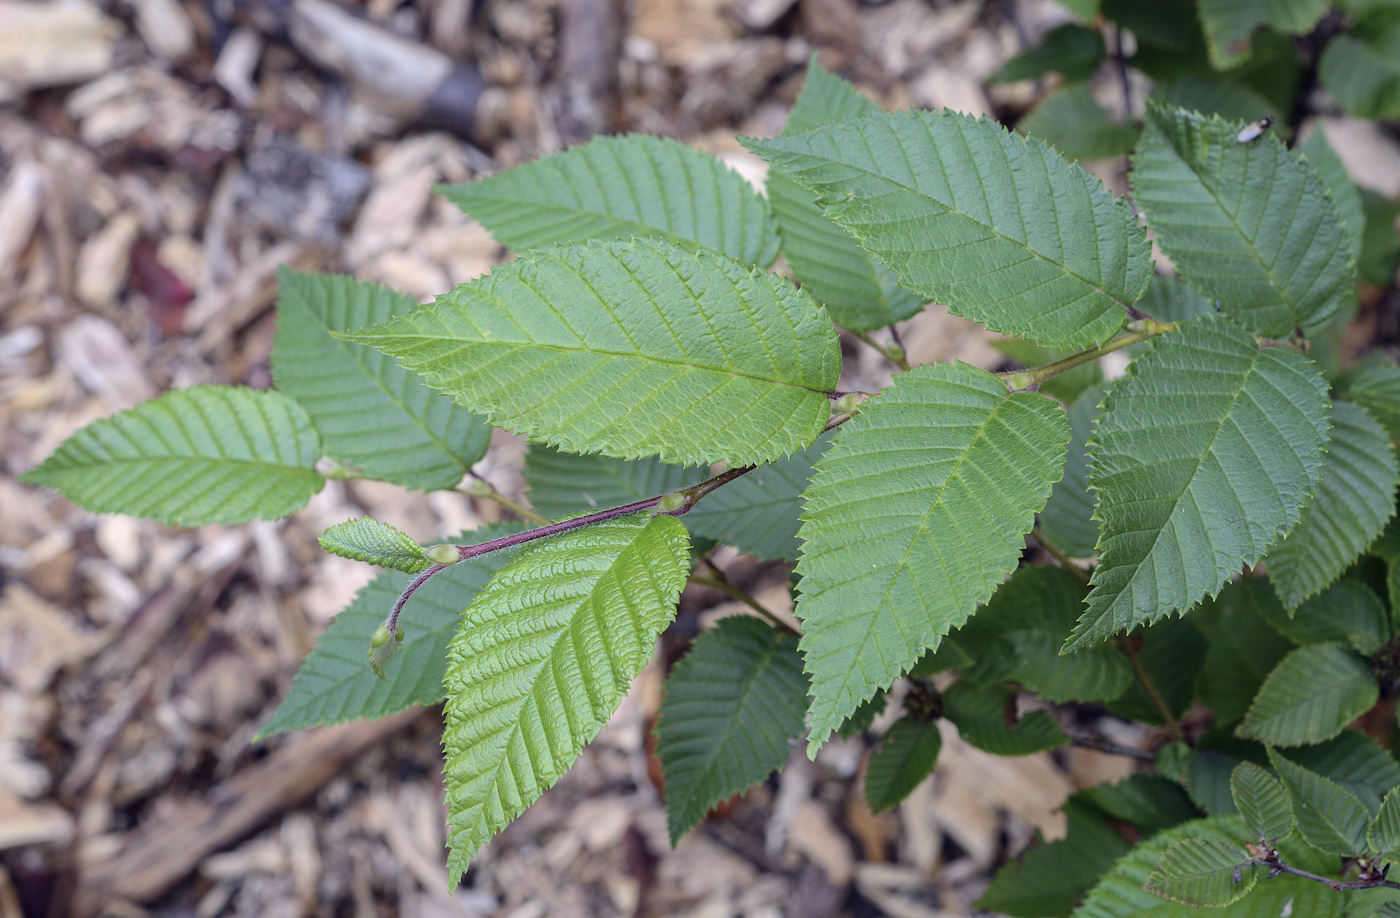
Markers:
point(1377, 389)
point(1084, 9)
point(1068, 518)
point(948, 655)
point(981, 714)
point(1330, 817)
point(544, 655)
point(1354, 499)
point(1204, 872)
point(1074, 51)
point(1212, 94)
point(619, 187)
point(1015, 635)
point(862, 717)
point(1339, 184)
point(1188, 499)
point(372, 413)
point(690, 356)
point(1250, 224)
point(859, 292)
point(1362, 70)
point(562, 484)
point(732, 704)
point(1348, 610)
point(367, 539)
point(1120, 894)
point(209, 454)
point(1384, 832)
point(1262, 802)
point(1229, 23)
point(336, 684)
point(915, 515)
point(1049, 878)
point(995, 225)
point(1073, 123)
point(906, 757)
point(1310, 696)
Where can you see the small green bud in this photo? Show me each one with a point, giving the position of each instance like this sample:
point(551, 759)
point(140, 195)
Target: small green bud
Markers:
point(848, 403)
point(442, 554)
point(670, 503)
point(381, 648)
point(380, 636)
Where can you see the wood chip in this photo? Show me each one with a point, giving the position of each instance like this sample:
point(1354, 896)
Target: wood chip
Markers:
point(51, 44)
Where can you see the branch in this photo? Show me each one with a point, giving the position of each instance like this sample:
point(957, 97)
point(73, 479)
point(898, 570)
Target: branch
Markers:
point(1371, 876)
point(1138, 330)
point(1125, 644)
point(480, 487)
point(891, 352)
point(720, 581)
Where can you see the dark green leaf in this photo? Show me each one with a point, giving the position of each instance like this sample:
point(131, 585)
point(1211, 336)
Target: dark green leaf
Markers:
point(986, 718)
point(1149, 803)
point(1377, 389)
point(1362, 70)
point(1068, 518)
point(1262, 802)
point(1242, 647)
point(1073, 51)
point(1211, 94)
point(1384, 832)
point(1173, 652)
point(907, 756)
point(1072, 122)
point(1330, 817)
point(1169, 299)
point(562, 484)
point(1229, 24)
point(1311, 695)
point(1048, 879)
point(1347, 611)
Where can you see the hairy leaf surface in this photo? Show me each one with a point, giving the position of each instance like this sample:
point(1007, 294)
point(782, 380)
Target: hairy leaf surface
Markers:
point(371, 412)
point(915, 515)
point(335, 682)
point(995, 225)
point(1355, 761)
point(1250, 224)
point(732, 704)
point(1311, 695)
point(859, 292)
point(692, 357)
point(1202, 872)
point(1262, 802)
point(209, 454)
point(618, 187)
point(367, 539)
point(1354, 499)
point(1229, 24)
point(1205, 453)
point(543, 656)
point(1330, 817)
point(907, 756)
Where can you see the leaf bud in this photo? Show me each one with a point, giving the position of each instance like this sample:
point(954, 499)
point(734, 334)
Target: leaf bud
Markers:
point(442, 554)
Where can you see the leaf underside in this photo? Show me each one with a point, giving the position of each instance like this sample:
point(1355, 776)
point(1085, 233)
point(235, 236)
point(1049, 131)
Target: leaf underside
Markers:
point(1205, 453)
point(208, 454)
point(367, 539)
point(335, 682)
point(1311, 695)
point(997, 226)
point(372, 413)
point(732, 704)
point(543, 656)
point(1355, 498)
point(1250, 224)
point(692, 357)
point(915, 515)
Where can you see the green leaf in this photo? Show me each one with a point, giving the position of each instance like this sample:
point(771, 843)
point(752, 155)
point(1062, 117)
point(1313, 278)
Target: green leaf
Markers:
point(1120, 894)
point(1348, 610)
point(904, 759)
point(984, 716)
point(1354, 499)
point(1204, 872)
point(1208, 780)
point(1074, 51)
point(1242, 647)
point(1068, 518)
point(862, 717)
point(1073, 123)
point(1362, 70)
point(209, 454)
point(1015, 636)
point(1149, 803)
point(1355, 761)
point(1310, 696)
point(1171, 300)
point(1250, 224)
point(1187, 500)
point(562, 484)
point(619, 187)
point(1084, 9)
point(1330, 817)
point(1066, 386)
point(915, 515)
point(732, 704)
point(1339, 185)
point(1049, 878)
point(1380, 243)
point(335, 684)
point(367, 539)
point(1384, 832)
point(1229, 24)
point(372, 413)
point(691, 357)
point(859, 292)
point(544, 655)
point(1262, 802)
point(1212, 94)
point(949, 654)
point(759, 514)
point(1173, 653)
point(995, 225)
point(1377, 389)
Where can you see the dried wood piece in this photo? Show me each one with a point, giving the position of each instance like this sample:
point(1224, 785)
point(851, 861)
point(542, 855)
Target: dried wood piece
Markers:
point(169, 848)
point(20, 205)
point(165, 27)
point(591, 45)
point(52, 44)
